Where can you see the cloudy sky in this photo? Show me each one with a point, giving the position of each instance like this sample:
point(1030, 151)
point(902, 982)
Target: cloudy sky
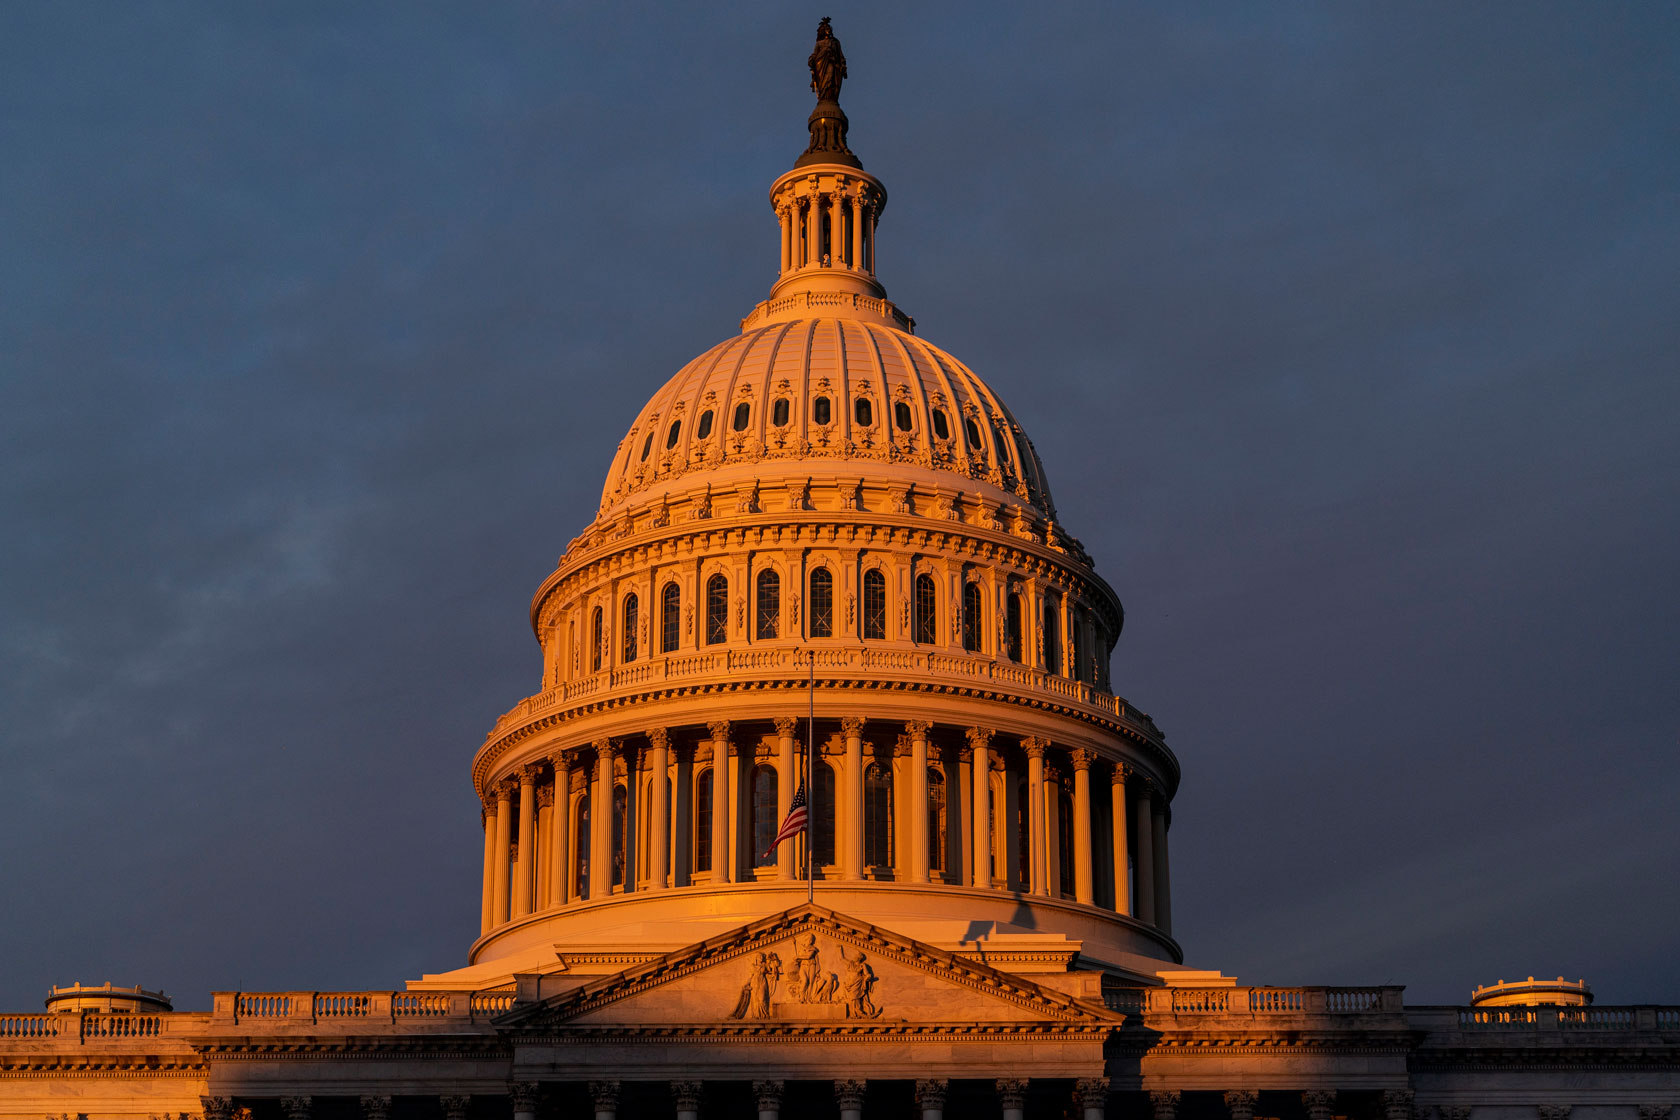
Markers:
point(1349, 335)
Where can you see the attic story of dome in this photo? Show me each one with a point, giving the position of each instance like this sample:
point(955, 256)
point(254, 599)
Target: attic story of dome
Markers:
point(825, 802)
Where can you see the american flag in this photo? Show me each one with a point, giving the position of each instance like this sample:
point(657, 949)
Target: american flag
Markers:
point(794, 824)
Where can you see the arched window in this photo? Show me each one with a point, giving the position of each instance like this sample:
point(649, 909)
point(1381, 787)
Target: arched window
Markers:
point(596, 650)
point(1064, 838)
point(703, 821)
point(822, 411)
point(670, 617)
point(936, 818)
point(1012, 620)
point(743, 412)
point(874, 604)
point(764, 822)
point(971, 617)
point(704, 428)
point(1081, 670)
point(1052, 633)
point(632, 613)
point(822, 810)
point(940, 427)
point(580, 845)
point(779, 412)
point(877, 817)
point(620, 832)
point(864, 413)
point(717, 610)
point(926, 609)
point(769, 603)
point(901, 416)
point(822, 603)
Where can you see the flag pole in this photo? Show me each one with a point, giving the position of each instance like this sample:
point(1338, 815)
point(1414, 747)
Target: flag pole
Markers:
point(811, 785)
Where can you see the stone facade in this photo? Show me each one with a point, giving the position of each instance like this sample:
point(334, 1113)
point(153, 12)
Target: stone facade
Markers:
point(827, 559)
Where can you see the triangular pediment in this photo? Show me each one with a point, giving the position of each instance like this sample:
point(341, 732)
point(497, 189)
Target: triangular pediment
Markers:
point(803, 968)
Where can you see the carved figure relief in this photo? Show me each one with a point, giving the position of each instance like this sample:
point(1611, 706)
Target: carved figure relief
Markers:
point(802, 982)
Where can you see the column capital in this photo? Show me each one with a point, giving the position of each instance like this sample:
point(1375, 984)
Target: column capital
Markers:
point(376, 1107)
point(1035, 747)
point(1240, 1103)
point(979, 737)
point(930, 1092)
point(1551, 1111)
point(456, 1108)
point(529, 773)
point(1091, 1092)
point(297, 1108)
point(718, 729)
point(1118, 775)
point(1164, 1103)
point(686, 1095)
point(918, 728)
point(545, 796)
point(1143, 786)
point(504, 789)
point(658, 737)
point(1012, 1092)
point(787, 726)
point(849, 1094)
point(1319, 1103)
point(1397, 1104)
point(605, 1095)
point(768, 1094)
point(1082, 758)
point(965, 755)
point(1653, 1111)
point(523, 1095)
point(852, 725)
point(216, 1108)
point(606, 748)
point(561, 761)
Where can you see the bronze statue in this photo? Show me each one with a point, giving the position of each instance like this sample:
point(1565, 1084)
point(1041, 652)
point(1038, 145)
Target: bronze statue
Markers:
point(828, 64)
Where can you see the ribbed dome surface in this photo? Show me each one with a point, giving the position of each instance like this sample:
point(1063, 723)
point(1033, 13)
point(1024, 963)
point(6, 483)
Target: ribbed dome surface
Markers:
point(826, 398)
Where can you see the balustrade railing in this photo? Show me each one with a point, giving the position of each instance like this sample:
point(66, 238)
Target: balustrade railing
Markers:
point(419, 1005)
point(28, 1026)
point(1353, 999)
point(1277, 999)
point(261, 1006)
point(342, 1005)
point(491, 1003)
point(121, 1026)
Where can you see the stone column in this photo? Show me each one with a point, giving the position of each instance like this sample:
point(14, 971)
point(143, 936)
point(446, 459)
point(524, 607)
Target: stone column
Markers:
point(930, 1098)
point(1083, 886)
point(601, 821)
point(769, 1097)
point(919, 858)
point(560, 836)
point(542, 880)
point(783, 220)
point(455, 1108)
point(837, 229)
point(980, 739)
point(376, 1108)
point(1163, 888)
point(1122, 876)
point(722, 872)
point(1036, 824)
point(487, 904)
point(849, 1096)
point(1163, 1104)
point(504, 838)
point(1240, 1103)
point(1319, 1103)
point(1012, 1097)
point(1090, 1094)
point(605, 1096)
point(1143, 865)
point(527, 840)
point(659, 809)
point(851, 856)
point(857, 231)
point(522, 1095)
point(813, 228)
point(686, 1096)
point(786, 783)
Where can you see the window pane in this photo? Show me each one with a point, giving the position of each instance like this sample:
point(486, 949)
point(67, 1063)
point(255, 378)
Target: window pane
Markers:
point(821, 412)
point(671, 437)
point(971, 617)
point(1052, 633)
point(779, 412)
point(1014, 624)
point(901, 416)
point(936, 819)
point(595, 640)
point(703, 821)
point(670, 617)
point(620, 833)
point(769, 603)
point(705, 427)
point(874, 604)
point(877, 817)
point(764, 822)
point(940, 427)
point(864, 413)
point(822, 604)
point(717, 610)
point(743, 412)
point(632, 612)
point(580, 845)
point(926, 609)
point(823, 812)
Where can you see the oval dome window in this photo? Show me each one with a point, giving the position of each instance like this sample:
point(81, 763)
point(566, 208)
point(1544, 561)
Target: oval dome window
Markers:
point(671, 436)
point(973, 432)
point(647, 445)
point(820, 410)
point(864, 414)
point(901, 416)
point(779, 412)
point(940, 427)
point(742, 412)
point(705, 428)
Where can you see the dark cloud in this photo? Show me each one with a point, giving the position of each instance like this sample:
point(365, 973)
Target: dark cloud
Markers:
point(1349, 338)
